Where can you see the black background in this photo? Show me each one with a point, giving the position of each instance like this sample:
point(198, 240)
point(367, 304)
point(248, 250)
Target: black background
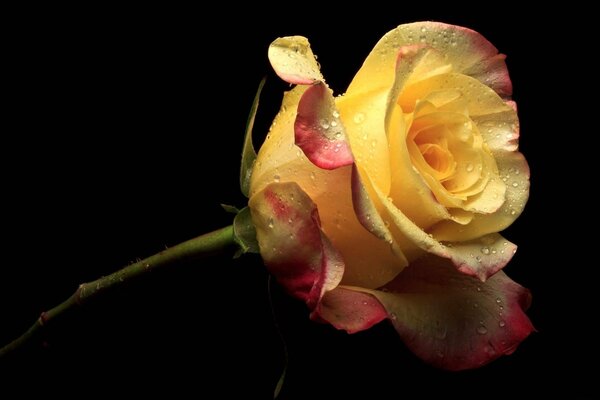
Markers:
point(123, 136)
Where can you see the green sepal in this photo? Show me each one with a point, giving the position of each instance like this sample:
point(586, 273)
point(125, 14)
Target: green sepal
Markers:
point(244, 233)
point(230, 209)
point(248, 152)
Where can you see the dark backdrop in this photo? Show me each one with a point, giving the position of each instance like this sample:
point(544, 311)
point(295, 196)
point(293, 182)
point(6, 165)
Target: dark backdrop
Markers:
point(125, 134)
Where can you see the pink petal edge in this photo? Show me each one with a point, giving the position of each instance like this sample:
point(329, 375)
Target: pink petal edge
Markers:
point(319, 131)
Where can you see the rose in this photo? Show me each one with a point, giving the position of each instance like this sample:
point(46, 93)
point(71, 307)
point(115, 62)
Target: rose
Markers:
point(415, 166)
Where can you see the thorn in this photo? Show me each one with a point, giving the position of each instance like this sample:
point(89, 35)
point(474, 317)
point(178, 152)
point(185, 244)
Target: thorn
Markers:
point(43, 318)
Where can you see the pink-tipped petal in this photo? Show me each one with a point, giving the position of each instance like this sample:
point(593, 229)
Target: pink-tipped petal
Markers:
point(481, 257)
point(349, 310)
point(465, 51)
point(370, 217)
point(453, 321)
point(292, 244)
point(293, 60)
point(319, 131)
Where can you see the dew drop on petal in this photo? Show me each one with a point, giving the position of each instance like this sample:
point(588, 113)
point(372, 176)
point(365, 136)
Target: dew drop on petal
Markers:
point(482, 330)
point(359, 118)
point(501, 323)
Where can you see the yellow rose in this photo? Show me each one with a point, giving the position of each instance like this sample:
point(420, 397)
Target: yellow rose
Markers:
point(416, 165)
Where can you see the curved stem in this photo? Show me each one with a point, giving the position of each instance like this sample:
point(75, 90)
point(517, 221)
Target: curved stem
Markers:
point(208, 244)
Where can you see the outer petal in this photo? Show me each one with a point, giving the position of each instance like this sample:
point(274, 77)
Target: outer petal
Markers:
point(319, 131)
point(369, 216)
point(465, 50)
point(293, 60)
point(481, 257)
point(453, 321)
point(292, 244)
point(349, 310)
point(366, 132)
point(369, 261)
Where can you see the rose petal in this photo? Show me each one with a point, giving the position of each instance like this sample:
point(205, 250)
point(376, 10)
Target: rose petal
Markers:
point(369, 216)
point(469, 257)
point(454, 321)
point(481, 100)
point(365, 127)
point(349, 310)
point(410, 191)
point(293, 60)
point(292, 244)
point(369, 261)
point(464, 49)
point(319, 131)
point(514, 171)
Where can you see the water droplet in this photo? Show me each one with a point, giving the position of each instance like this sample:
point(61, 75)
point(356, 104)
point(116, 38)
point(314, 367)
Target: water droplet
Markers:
point(498, 300)
point(440, 354)
point(335, 114)
point(271, 223)
point(482, 330)
point(334, 123)
point(475, 305)
point(515, 184)
point(365, 303)
point(393, 316)
point(485, 250)
point(479, 288)
point(276, 178)
point(290, 221)
point(324, 124)
point(373, 143)
point(423, 29)
point(313, 176)
point(469, 167)
point(501, 323)
point(359, 118)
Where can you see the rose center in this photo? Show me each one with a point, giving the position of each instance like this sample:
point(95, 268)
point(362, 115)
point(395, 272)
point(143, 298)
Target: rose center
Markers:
point(435, 155)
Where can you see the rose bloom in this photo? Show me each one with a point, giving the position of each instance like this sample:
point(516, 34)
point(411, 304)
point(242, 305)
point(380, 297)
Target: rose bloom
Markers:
point(386, 202)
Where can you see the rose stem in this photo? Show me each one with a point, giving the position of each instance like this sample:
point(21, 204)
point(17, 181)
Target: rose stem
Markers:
point(205, 245)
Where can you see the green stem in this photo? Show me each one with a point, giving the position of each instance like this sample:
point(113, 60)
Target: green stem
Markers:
point(209, 244)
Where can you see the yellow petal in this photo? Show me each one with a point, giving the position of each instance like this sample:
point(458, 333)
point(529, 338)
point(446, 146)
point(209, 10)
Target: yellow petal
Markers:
point(465, 50)
point(293, 60)
point(514, 172)
point(369, 261)
point(364, 119)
